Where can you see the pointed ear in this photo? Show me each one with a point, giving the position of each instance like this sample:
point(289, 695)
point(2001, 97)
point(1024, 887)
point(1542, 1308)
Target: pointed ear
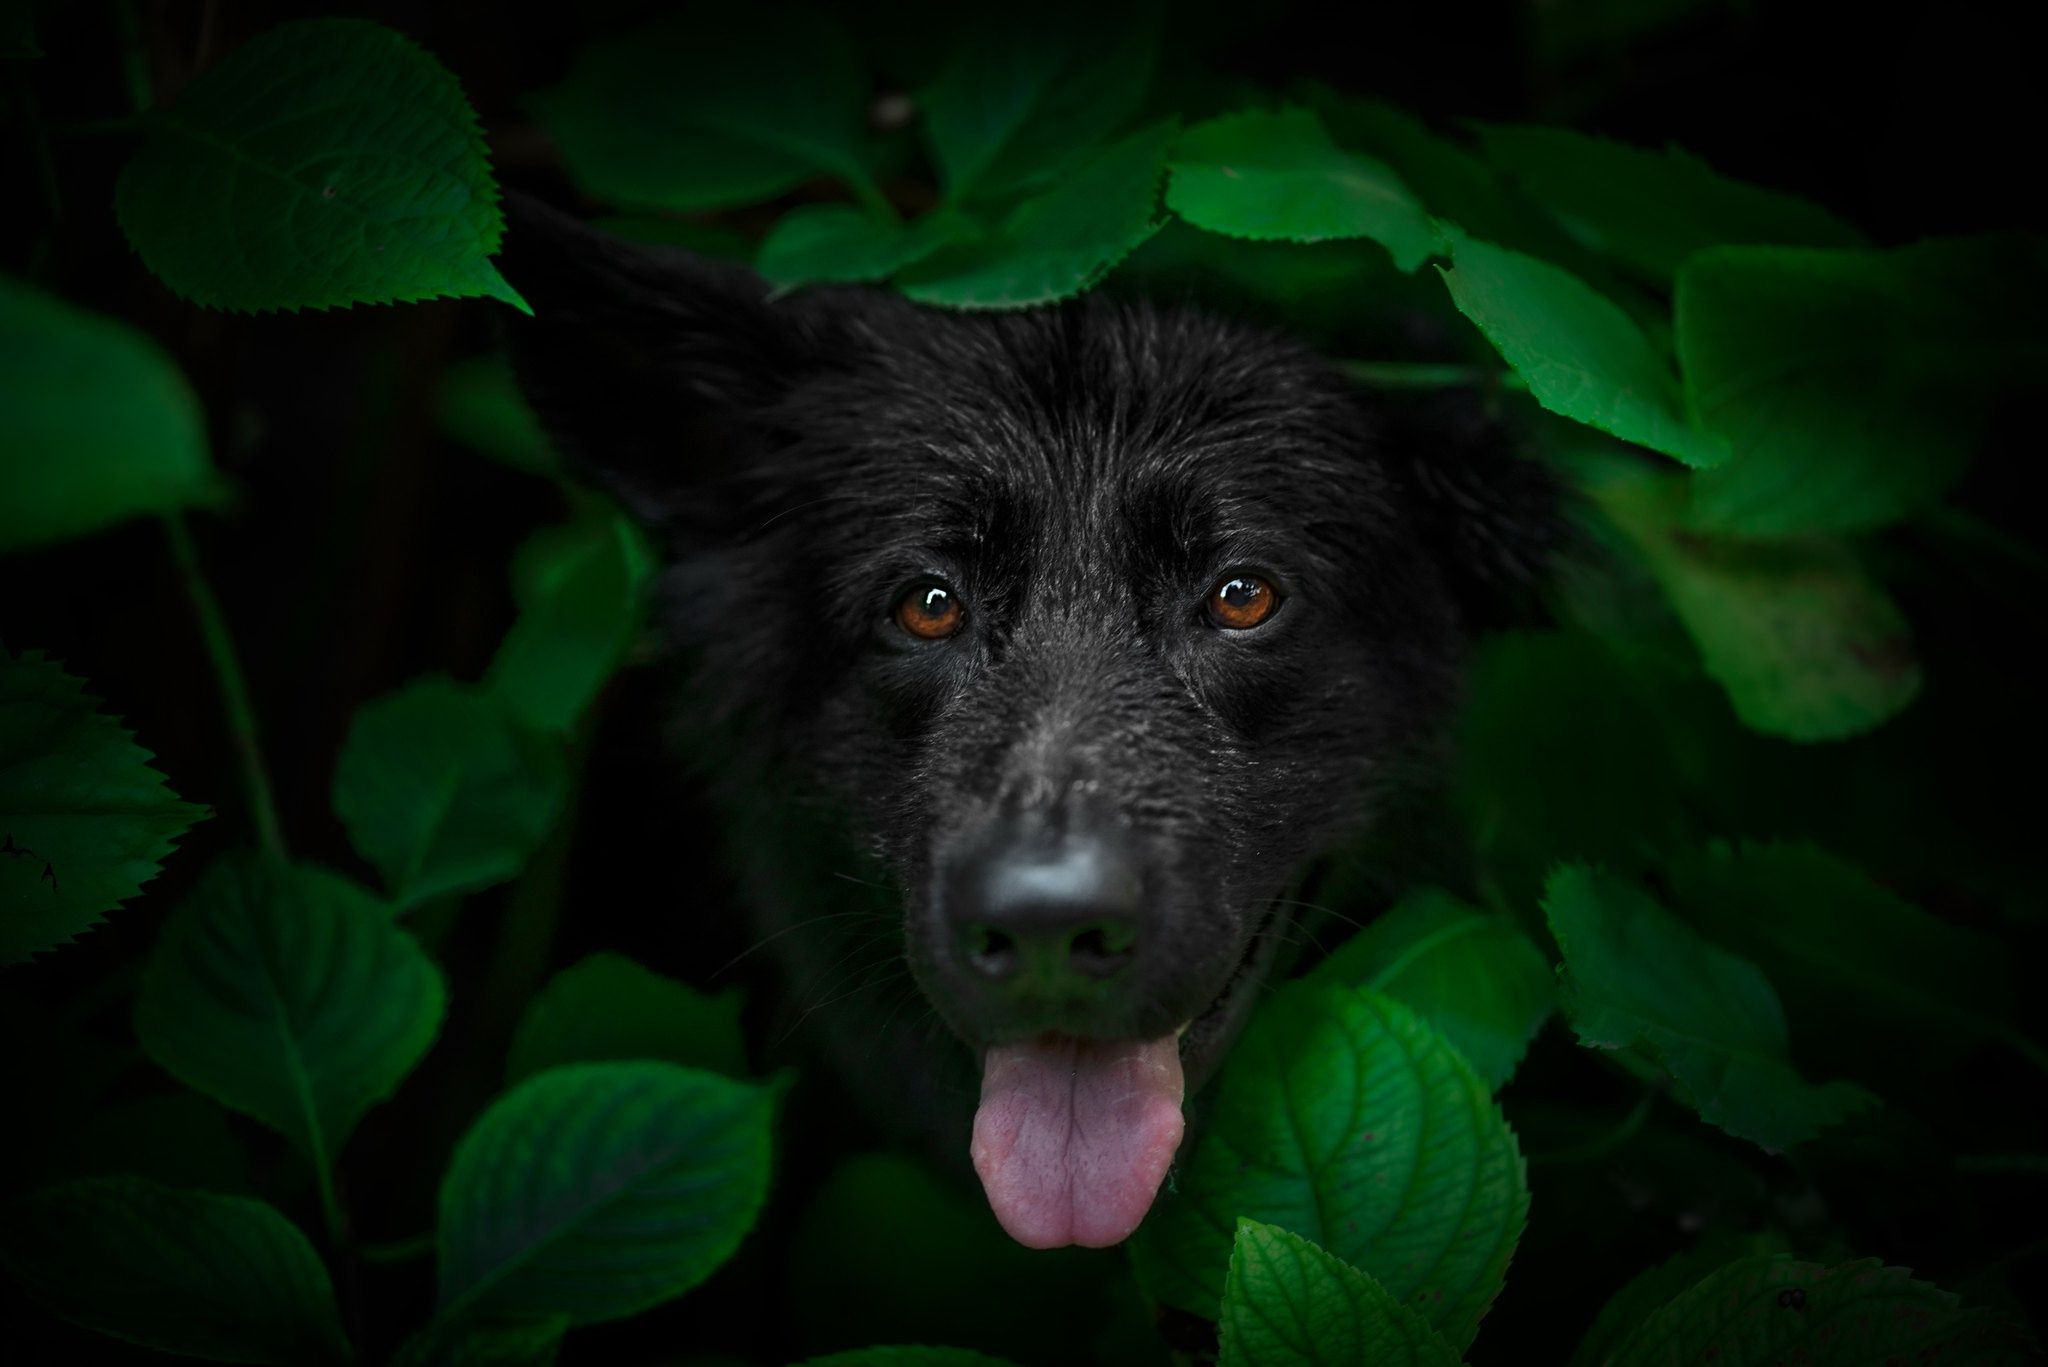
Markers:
point(653, 369)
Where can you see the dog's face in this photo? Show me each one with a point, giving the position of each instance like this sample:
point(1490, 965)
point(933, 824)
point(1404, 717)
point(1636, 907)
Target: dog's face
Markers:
point(1103, 619)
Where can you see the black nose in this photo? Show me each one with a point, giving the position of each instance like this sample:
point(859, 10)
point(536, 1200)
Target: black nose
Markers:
point(1047, 914)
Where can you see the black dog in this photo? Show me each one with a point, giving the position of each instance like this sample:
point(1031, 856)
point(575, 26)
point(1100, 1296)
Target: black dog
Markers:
point(1092, 623)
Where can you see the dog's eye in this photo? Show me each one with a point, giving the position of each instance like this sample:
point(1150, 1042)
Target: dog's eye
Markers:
point(1241, 601)
point(930, 612)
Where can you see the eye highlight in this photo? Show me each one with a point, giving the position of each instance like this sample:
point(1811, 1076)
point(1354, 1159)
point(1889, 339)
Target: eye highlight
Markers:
point(1241, 601)
point(930, 612)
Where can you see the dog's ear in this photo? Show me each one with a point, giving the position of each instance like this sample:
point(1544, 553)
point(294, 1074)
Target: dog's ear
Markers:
point(653, 369)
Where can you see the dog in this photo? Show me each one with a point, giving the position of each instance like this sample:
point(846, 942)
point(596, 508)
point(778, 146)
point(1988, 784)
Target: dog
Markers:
point(1088, 626)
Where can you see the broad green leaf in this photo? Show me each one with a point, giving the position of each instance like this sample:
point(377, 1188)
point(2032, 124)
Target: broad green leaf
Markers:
point(608, 1007)
point(286, 993)
point(98, 424)
point(506, 1343)
point(443, 791)
point(1636, 977)
point(1030, 92)
point(1776, 1309)
point(912, 1355)
point(1449, 181)
point(1580, 354)
point(84, 820)
point(1649, 1291)
point(1471, 974)
point(1057, 243)
point(1344, 1118)
point(717, 106)
point(1277, 174)
point(478, 403)
point(328, 162)
point(1288, 1303)
point(579, 590)
point(598, 1190)
point(188, 1272)
point(1650, 210)
point(825, 243)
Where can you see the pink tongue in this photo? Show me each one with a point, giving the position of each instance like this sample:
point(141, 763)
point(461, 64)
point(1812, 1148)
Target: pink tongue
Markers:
point(1074, 1135)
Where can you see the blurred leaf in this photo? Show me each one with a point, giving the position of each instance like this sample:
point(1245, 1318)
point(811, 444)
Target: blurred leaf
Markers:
point(98, 424)
point(327, 162)
point(1288, 1303)
point(1341, 1116)
point(84, 820)
point(906, 1356)
point(720, 105)
point(821, 243)
point(579, 593)
point(1636, 977)
point(287, 994)
point(1057, 243)
point(18, 31)
point(1277, 174)
point(478, 403)
point(608, 1007)
point(442, 790)
point(1775, 1309)
point(1651, 1289)
point(1030, 92)
point(1471, 974)
point(598, 1190)
point(1580, 354)
point(189, 1272)
point(1650, 210)
point(1449, 181)
point(513, 1343)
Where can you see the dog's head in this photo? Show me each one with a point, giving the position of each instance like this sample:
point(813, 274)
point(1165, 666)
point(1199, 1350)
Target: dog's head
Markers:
point(1103, 617)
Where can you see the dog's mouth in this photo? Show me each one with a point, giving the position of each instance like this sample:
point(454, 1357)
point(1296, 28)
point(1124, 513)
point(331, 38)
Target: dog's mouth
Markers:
point(1074, 1135)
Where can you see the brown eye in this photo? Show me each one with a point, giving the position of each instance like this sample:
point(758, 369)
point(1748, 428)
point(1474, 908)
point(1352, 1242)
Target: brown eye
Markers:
point(930, 612)
point(1241, 601)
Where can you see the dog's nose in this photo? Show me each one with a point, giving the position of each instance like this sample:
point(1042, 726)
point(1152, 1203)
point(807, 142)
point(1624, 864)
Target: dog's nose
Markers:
point(1048, 915)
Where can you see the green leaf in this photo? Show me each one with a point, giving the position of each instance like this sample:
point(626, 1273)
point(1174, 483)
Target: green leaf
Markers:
point(579, 591)
point(1058, 243)
point(328, 162)
point(1471, 974)
point(1636, 977)
point(906, 1356)
point(1580, 354)
point(1344, 1118)
point(723, 105)
point(287, 994)
point(510, 1343)
point(1776, 1309)
point(478, 403)
point(598, 1190)
point(1029, 92)
point(1449, 181)
point(608, 1007)
point(1288, 1303)
point(1277, 174)
point(442, 790)
point(825, 243)
point(1649, 1290)
point(84, 820)
point(1650, 210)
point(98, 424)
point(189, 1272)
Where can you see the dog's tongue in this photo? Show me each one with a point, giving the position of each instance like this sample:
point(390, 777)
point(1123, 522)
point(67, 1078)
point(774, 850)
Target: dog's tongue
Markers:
point(1074, 1135)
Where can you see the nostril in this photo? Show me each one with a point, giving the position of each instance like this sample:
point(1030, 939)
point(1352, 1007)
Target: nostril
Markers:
point(1100, 950)
point(990, 952)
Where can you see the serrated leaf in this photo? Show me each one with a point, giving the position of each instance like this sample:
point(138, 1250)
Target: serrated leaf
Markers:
point(1057, 243)
point(1777, 1309)
point(1344, 1118)
point(1581, 356)
point(1288, 1303)
point(191, 1272)
point(1650, 210)
point(443, 791)
point(287, 994)
point(1636, 977)
point(826, 243)
point(722, 105)
point(327, 162)
point(84, 820)
point(1028, 93)
point(478, 403)
point(1277, 174)
point(1472, 974)
point(907, 1355)
point(1449, 181)
point(598, 1190)
point(1650, 1290)
point(98, 424)
point(579, 592)
point(608, 1007)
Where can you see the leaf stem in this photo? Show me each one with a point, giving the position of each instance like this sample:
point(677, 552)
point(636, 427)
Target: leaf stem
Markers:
point(234, 691)
point(398, 1250)
point(1407, 375)
point(870, 194)
point(134, 60)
